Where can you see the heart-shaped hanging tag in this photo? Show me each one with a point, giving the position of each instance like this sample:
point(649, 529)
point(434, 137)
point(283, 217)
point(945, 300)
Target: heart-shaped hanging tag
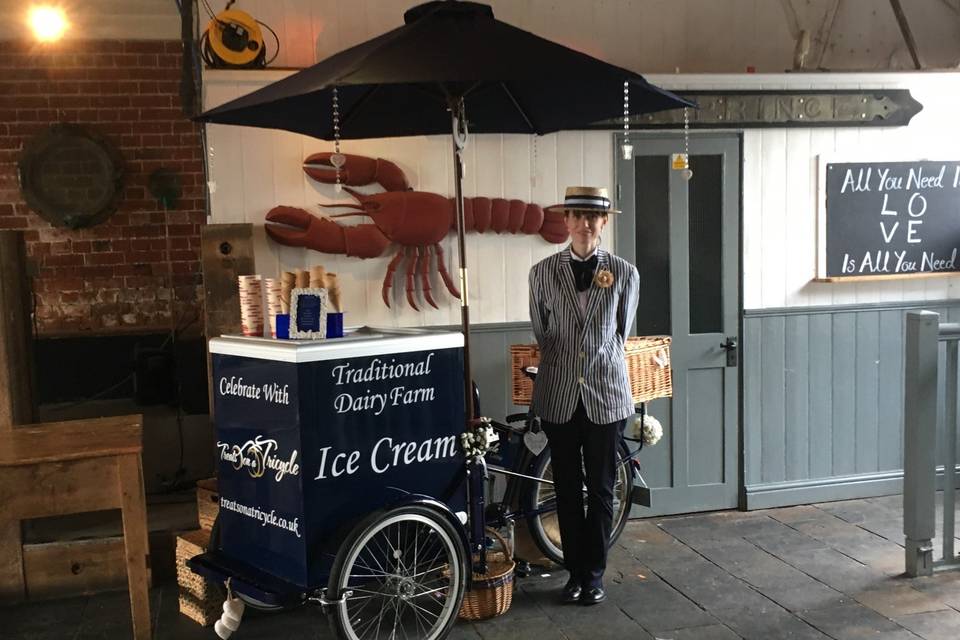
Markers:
point(338, 160)
point(536, 442)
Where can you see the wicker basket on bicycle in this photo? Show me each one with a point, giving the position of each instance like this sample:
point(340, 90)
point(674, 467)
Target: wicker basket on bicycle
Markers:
point(492, 592)
point(648, 367)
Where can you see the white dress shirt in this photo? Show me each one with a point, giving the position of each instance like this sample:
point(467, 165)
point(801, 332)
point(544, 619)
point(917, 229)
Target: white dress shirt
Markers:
point(582, 296)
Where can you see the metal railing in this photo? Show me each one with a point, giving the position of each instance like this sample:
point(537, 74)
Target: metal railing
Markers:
point(920, 441)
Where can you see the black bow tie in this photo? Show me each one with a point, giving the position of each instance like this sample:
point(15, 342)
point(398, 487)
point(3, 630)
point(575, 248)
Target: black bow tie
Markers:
point(583, 272)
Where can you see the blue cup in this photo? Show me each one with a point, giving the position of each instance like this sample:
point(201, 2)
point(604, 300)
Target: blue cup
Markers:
point(283, 326)
point(335, 325)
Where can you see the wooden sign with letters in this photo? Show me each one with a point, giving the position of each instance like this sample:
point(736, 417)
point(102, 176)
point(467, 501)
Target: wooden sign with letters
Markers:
point(799, 108)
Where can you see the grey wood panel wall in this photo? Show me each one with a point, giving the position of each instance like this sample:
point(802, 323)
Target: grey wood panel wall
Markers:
point(490, 361)
point(823, 401)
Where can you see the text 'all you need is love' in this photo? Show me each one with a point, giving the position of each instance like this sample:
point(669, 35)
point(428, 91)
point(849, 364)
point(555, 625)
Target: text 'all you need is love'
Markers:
point(902, 207)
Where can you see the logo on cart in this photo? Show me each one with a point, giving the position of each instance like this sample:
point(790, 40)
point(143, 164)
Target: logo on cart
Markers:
point(258, 457)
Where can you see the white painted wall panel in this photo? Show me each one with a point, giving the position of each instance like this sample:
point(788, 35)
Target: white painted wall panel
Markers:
point(822, 142)
point(780, 185)
point(256, 170)
point(799, 230)
point(773, 204)
point(779, 194)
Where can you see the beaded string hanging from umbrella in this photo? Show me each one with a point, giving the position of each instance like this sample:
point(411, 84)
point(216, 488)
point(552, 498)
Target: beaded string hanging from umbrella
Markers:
point(337, 159)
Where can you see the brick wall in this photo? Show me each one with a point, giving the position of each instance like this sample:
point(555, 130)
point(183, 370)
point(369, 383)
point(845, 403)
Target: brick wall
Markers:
point(115, 276)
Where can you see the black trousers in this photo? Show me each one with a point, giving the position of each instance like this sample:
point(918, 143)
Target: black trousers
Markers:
point(583, 452)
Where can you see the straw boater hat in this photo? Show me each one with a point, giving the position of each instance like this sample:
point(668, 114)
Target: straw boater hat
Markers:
point(590, 199)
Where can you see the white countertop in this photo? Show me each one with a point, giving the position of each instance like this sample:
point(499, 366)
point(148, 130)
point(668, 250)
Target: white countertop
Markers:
point(357, 342)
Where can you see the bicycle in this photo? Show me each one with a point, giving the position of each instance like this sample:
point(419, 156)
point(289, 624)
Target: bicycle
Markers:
point(529, 492)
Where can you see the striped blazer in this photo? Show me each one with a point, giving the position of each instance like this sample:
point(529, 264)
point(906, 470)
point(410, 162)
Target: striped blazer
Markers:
point(581, 352)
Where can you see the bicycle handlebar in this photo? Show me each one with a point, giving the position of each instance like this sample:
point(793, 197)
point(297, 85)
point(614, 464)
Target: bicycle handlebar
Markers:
point(508, 428)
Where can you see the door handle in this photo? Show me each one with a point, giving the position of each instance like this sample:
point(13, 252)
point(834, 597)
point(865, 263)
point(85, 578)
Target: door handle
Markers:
point(730, 346)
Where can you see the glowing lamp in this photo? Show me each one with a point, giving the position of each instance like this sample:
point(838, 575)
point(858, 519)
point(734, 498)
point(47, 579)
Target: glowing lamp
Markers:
point(48, 23)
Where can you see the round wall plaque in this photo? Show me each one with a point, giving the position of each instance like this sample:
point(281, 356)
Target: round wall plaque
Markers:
point(71, 176)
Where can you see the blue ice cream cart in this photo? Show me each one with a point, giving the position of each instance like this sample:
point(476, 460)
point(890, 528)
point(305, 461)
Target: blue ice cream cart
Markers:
point(339, 465)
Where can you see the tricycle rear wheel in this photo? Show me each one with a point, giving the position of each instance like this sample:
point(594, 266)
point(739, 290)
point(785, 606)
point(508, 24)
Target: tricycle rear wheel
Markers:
point(540, 503)
point(400, 573)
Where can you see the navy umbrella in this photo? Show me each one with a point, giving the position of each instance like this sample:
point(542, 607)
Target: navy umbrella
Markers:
point(451, 67)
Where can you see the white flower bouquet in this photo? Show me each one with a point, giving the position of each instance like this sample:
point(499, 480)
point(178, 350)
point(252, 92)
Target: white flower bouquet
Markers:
point(649, 431)
point(477, 440)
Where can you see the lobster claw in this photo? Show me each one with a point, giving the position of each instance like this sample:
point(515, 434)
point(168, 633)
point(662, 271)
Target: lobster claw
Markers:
point(299, 227)
point(357, 171)
point(296, 227)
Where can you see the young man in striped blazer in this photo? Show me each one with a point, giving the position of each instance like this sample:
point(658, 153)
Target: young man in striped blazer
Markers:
point(582, 304)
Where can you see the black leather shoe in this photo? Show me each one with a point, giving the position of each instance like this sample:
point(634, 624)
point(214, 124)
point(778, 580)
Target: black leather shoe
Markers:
point(593, 595)
point(571, 593)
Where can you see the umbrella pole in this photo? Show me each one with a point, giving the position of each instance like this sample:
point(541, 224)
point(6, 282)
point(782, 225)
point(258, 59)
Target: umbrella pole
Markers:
point(459, 125)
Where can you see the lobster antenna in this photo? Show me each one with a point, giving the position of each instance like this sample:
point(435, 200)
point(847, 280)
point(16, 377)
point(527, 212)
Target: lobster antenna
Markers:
point(358, 207)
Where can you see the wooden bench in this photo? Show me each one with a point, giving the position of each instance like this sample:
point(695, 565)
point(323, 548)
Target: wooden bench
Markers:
point(59, 468)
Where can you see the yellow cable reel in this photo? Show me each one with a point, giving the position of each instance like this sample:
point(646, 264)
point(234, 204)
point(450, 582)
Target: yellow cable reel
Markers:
point(235, 38)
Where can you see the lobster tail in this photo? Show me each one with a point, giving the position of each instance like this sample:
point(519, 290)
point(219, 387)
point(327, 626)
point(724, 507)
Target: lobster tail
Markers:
point(554, 228)
point(511, 216)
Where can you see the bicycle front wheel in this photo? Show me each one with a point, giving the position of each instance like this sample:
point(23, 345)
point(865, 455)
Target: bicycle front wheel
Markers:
point(400, 574)
point(540, 503)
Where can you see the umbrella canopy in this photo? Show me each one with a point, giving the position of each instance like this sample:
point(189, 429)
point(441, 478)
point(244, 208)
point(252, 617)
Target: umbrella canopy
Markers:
point(403, 82)
point(450, 68)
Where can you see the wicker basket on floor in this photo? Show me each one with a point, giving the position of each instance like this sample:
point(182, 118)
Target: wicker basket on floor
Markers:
point(491, 593)
point(648, 368)
point(207, 502)
point(199, 599)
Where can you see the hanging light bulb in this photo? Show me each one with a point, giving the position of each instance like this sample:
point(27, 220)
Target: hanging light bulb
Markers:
point(626, 148)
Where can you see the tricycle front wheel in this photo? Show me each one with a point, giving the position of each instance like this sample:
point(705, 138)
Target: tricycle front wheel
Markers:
point(400, 574)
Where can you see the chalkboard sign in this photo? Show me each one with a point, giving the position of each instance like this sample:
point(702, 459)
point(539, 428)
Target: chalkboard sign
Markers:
point(888, 219)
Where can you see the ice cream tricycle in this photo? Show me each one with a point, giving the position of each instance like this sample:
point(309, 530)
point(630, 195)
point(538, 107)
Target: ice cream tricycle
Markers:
point(343, 481)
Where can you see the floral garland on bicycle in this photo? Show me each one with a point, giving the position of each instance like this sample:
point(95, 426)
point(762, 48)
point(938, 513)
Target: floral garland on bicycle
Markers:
point(477, 440)
point(649, 430)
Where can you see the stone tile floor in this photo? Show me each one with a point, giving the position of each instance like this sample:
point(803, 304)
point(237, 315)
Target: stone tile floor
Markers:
point(832, 570)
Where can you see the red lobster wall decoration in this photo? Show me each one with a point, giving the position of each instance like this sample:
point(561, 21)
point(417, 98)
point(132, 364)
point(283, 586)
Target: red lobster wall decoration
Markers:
point(415, 220)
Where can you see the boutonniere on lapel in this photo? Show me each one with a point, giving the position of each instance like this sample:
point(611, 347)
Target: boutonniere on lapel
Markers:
point(603, 278)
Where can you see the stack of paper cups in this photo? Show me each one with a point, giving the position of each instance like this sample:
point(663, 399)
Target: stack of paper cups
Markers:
point(288, 281)
point(302, 278)
point(318, 277)
point(251, 305)
point(273, 304)
point(333, 292)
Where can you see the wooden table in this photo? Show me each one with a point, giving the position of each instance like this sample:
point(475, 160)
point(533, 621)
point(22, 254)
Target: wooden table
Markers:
point(58, 468)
